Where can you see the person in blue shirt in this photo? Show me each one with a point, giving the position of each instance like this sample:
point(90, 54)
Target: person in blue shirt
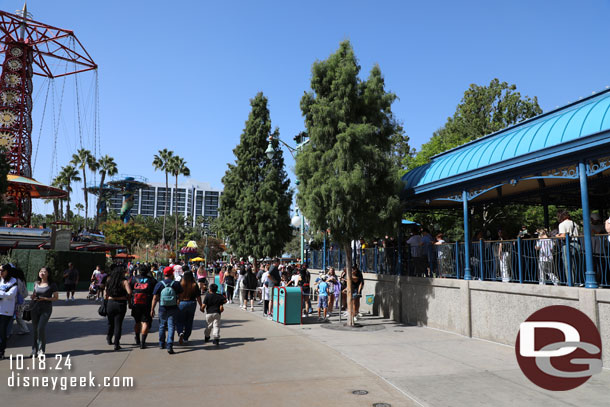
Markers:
point(166, 294)
point(322, 297)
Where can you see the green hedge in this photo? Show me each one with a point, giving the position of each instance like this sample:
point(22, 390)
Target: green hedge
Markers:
point(31, 260)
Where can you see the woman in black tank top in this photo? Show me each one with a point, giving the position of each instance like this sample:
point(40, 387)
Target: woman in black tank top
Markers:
point(117, 294)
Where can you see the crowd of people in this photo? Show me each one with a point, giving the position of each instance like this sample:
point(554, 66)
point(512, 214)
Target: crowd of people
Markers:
point(242, 285)
point(177, 291)
point(173, 293)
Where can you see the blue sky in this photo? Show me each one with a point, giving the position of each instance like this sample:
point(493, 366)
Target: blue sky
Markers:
point(179, 75)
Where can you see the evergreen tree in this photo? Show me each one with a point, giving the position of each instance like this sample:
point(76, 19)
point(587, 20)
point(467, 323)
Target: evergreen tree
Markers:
point(255, 204)
point(348, 176)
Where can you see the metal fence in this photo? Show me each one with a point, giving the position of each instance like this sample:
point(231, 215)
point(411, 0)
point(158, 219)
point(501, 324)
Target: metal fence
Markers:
point(558, 261)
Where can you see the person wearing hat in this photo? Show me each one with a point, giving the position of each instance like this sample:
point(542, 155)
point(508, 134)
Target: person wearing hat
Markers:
point(166, 294)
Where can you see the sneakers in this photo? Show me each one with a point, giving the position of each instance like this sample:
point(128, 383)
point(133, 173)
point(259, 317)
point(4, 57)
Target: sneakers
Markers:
point(270, 317)
point(355, 318)
point(251, 309)
point(181, 339)
point(304, 315)
point(170, 350)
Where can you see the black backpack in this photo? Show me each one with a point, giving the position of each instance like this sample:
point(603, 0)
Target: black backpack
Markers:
point(141, 291)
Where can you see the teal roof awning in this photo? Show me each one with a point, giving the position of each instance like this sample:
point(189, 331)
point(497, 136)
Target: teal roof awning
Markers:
point(578, 120)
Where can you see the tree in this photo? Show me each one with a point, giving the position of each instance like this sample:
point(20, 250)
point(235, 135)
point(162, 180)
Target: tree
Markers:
point(83, 159)
point(126, 234)
point(177, 166)
point(161, 162)
point(79, 207)
point(348, 177)
point(67, 176)
point(107, 167)
point(483, 110)
point(255, 205)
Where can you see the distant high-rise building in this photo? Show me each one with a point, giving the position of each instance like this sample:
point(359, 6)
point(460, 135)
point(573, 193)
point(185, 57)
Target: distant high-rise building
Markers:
point(194, 198)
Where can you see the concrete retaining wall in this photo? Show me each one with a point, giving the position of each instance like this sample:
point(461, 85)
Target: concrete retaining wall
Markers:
point(486, 310)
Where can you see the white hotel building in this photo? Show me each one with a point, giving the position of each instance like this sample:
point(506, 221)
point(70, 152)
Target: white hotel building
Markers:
point(194, 198)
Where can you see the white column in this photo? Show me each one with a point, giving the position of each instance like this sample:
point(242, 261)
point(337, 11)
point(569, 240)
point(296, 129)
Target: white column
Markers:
point(156, 197)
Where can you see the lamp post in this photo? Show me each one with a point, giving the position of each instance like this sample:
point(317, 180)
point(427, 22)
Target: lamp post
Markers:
point(301, 140)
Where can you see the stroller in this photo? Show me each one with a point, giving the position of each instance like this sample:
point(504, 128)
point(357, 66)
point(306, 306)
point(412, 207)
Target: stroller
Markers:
point(93, 288)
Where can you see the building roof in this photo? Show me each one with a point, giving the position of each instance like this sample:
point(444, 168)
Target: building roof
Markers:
point(578, 120)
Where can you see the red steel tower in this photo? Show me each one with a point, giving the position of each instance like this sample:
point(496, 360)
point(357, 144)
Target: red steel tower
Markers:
point(29, 48)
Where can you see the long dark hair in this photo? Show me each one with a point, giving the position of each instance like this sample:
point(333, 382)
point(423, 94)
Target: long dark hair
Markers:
point(114, 285)
point(188, 284)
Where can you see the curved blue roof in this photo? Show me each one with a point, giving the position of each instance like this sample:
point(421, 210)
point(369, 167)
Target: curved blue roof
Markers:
point(577, 120)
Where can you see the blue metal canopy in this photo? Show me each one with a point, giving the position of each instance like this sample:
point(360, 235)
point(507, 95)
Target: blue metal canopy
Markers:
point(519, 143)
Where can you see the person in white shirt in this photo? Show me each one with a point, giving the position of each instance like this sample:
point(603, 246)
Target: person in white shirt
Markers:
point(568, 227)
point(8, 295)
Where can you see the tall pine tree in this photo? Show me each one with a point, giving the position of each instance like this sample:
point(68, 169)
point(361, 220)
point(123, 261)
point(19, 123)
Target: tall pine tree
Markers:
point(348, 177)
point(255, 204)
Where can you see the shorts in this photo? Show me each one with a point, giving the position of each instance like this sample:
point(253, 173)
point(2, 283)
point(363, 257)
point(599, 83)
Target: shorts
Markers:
point(249, 294)
point(356, 295)
point(141, 313)
point(70, 286)
point(202, 280)
point(323, 301)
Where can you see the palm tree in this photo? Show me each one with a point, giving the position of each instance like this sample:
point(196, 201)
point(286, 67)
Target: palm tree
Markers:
point(58, 204)
point(177, 166)
point(106, 166)
point(79, 207)
point(161, 162)
point(67, 176)
point(83, 159)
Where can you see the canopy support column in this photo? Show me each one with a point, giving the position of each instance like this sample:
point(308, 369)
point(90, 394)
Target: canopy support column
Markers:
point(586, 216)
point(467, 275)
point(547, 222)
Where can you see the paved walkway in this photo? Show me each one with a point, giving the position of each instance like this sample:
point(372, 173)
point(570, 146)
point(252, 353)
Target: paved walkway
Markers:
point(261, 363)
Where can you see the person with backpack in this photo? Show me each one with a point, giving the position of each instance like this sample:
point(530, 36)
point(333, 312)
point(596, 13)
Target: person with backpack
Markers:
point(142, 287)
point(45, 292)
point(166, 295)
point(191, 295)
point(250, 283)
point(118, 292)
point(8, 297)
point(213, 306)
point(21, 328)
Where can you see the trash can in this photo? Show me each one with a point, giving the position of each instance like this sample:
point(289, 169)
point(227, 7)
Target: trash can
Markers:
point(221, 287)
point(287, 305)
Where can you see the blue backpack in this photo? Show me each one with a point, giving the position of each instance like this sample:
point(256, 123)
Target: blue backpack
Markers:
point(168, 295)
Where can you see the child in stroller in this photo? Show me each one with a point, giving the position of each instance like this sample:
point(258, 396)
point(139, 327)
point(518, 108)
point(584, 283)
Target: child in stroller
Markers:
point(93, 288)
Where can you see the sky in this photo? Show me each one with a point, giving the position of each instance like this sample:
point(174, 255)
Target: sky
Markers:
point(180, 75)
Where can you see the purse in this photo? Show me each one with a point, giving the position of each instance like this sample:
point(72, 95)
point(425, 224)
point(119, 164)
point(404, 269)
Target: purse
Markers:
point(102, 310)
point(27, 312)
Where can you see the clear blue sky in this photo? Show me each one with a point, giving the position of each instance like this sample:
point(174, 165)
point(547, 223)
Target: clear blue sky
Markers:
point(179, 75)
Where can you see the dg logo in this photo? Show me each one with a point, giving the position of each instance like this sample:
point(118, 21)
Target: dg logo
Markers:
point(559, 348)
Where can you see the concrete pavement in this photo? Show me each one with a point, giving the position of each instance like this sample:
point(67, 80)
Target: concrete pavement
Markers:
point(259, 363)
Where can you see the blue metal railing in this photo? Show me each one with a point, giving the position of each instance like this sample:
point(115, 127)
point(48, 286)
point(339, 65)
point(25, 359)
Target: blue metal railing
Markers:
point(558, 261)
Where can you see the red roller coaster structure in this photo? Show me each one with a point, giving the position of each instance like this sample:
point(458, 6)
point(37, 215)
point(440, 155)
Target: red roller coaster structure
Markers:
point(30, 48)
